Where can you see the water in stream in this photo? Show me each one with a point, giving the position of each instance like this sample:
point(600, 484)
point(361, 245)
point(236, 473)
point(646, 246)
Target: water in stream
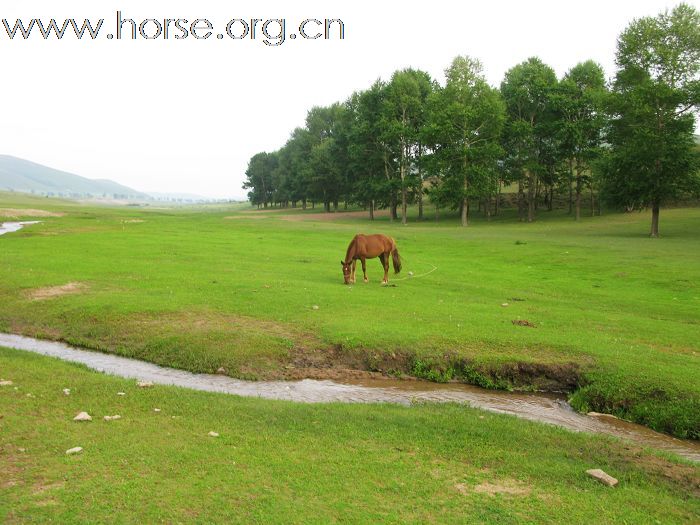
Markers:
point(7, 227)
point(536, 407)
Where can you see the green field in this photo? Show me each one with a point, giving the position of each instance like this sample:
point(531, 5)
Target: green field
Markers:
point(280, 462)
point(616, 315)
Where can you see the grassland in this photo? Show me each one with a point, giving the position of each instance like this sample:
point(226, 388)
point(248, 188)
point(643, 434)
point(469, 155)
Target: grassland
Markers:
point(279, 462)
point(616, 315)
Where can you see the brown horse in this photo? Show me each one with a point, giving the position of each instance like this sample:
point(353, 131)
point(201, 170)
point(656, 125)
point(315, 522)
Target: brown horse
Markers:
point(368, 247)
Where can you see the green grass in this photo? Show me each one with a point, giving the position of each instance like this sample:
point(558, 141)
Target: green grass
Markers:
point(280, 462)
point(614, 312)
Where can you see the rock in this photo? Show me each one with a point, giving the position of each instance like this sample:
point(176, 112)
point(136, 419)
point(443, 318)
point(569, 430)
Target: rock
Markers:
point(30, 395)
point(21, 449)
point(314, 307)
point(599, 414)
point(601, 476)
point(213, 434)
point(121, 393)
point(156, 409)
point(504, 305)
point(144, 384)
point(5, 382)
point(112, 418)
point(83, 416)
point(66, 391)
point(221, 370)
point(74, 450)
point(410, 274)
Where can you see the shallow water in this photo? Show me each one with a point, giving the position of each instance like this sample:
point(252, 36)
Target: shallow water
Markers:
point(536, 407)
point(7, 227)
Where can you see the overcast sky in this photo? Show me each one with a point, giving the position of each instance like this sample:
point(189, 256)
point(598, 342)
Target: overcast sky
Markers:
point(186, 115)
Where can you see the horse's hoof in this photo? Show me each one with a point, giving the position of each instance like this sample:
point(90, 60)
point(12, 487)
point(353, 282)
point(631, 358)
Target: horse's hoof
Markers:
point(366, 280)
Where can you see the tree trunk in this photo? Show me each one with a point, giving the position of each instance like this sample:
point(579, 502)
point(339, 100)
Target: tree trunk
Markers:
point(521, 201)
point(551, 198)
point(498, 199)
point(655, 219)
point(531, 197)
point(571, 184)
point(420, 204)
point(371, 210)
point(437, 213)
point(592, 203)
point(404, 205)
point(578, 198)
point(465, 205)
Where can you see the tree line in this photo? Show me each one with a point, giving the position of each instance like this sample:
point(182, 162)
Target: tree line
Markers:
point(399, 142)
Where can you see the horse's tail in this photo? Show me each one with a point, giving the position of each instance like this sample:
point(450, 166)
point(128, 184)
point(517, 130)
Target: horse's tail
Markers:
point(396, 259)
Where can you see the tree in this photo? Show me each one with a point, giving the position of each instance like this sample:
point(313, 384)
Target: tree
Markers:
point(259, 178)
point(366, 151)
point(579, 101)
point(464, 126)
point(405, 114)
point(527, 90)
point(654, 97)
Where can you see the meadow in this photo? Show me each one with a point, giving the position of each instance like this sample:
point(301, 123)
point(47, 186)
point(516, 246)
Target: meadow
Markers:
point(281, 462)
point(601, 311)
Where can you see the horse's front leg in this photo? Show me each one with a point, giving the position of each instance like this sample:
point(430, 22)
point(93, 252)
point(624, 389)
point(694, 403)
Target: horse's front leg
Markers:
point(364, 269)
point(352, 275)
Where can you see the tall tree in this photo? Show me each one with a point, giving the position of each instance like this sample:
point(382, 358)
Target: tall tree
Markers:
point(405, 101)
point(528, 89)
point(579, 101)
point(465, 122)
point(655, 95)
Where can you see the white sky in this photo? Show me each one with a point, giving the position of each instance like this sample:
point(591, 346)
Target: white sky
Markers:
point(186, 115)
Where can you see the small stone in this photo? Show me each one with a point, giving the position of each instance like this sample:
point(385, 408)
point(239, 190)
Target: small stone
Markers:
point(83, 416)
point(121, 393)
point(144, 384)
point(314, 307)
point(599, 414)
point(66, 391)
point(221, 370)
point(5, 382)
point(22, 449)
point(112, 418)
point(30, 395)
point(410, 274)
point(601, 476)
point(156, 409)
point(504, 305)
point(214, 434)
point(74, 450)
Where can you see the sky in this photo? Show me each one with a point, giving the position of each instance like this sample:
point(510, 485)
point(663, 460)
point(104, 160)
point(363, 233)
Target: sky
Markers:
point(185, 115)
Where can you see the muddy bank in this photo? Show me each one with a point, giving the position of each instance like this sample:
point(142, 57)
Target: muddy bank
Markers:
point(548, 408)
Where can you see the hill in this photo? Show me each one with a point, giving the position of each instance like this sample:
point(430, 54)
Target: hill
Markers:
point(29, 177)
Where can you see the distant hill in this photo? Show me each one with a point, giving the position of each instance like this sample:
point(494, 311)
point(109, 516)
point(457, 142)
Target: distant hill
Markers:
point(29, 177)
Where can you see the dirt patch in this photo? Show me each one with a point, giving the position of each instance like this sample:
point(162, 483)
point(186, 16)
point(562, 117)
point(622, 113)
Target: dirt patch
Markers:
point(333, 216)
point(523, 322)
point(40, 294)
point(14, 213)
point(246, 216)
point(505, 487)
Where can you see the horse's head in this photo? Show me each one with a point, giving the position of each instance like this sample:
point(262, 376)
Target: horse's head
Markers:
point(347, 271)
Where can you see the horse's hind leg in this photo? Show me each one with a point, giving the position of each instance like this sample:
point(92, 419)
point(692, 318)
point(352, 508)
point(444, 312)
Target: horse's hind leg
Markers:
point(364, 268)
point(385, 264)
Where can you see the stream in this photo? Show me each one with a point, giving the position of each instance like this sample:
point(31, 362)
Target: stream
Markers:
point(547, 408)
